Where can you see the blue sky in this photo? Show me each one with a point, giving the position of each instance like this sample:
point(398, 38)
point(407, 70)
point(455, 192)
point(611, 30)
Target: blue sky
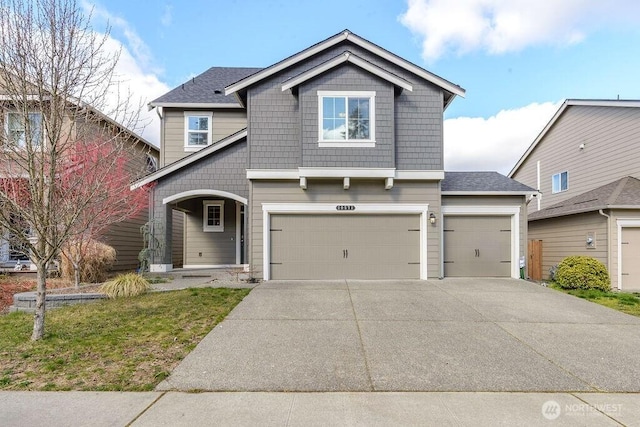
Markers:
point(517, 59)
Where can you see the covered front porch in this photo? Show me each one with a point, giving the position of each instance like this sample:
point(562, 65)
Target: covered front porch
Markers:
point(213, 232)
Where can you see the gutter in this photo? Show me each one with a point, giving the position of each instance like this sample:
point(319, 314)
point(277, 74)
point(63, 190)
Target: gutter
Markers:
point(601, 212)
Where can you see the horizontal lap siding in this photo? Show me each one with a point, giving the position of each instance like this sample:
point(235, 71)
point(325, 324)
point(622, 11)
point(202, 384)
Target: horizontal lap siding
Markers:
point(224, 123)
point(611, 136)
point(331, 191)
point(125, 237)
point(562, 237)
point(216, 247)
point(177, 239)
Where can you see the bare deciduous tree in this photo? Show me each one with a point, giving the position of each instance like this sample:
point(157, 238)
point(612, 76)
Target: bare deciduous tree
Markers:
point(65, 127)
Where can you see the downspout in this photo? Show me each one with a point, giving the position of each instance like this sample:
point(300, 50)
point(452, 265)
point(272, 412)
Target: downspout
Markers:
point(601, 212)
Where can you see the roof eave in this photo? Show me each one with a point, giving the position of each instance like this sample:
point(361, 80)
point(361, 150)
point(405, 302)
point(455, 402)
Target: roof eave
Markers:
point(349, 57)
point(195, 105)
point(175, 166)
point(489, 193)
point(563, 107)
point(332, 41)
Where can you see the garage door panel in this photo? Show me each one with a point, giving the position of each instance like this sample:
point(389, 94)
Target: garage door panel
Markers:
point(345, 246)
point(630, 254)
point(477, 246)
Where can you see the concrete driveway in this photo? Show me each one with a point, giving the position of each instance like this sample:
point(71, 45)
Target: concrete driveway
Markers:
point(440, 335)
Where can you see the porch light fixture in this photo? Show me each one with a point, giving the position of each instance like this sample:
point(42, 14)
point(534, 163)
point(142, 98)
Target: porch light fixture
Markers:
point(432, 218)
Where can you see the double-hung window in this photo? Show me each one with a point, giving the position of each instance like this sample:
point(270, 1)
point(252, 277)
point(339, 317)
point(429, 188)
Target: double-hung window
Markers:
point(560, 182)
point(213, 215)
point(197, 130)
point(346, 119)
point(23, 130)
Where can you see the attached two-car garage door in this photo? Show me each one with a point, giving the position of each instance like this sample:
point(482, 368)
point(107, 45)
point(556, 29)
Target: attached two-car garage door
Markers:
point(477, 246)
point(346, 246)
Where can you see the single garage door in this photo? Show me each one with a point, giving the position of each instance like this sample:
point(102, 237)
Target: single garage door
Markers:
point(477, 246)
point(348, 246)
point(630, 252)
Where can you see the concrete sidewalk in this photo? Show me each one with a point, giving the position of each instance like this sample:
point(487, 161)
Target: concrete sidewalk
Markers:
point(53, 409)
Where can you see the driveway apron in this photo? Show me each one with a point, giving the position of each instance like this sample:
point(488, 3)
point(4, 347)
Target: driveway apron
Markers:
point(437, 335)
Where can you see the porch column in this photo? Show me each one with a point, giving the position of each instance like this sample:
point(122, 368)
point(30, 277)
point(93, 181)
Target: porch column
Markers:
point(162, 229)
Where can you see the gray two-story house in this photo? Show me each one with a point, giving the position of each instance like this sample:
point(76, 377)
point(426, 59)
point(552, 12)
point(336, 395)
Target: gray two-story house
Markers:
point(327, 165)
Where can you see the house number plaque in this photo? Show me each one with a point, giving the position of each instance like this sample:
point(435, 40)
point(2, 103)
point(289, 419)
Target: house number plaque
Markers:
point(345, 208)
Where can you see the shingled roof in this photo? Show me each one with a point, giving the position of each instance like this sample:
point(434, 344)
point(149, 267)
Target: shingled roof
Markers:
point(623, 193)
point(206, 88)
point(481, 182)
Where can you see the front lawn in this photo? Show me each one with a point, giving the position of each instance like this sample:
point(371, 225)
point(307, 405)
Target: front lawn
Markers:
point(126, 344)
point(621, 301)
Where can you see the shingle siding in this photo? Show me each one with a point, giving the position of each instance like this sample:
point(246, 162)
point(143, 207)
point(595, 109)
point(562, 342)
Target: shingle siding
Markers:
point(280, 121)
point(611, 138)
point(226, 171)
point(348, 78)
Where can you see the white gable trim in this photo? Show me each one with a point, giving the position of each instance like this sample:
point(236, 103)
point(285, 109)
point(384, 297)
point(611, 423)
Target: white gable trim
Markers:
point(345, 35)
point(189, 159)
point(563, 107)
point(202, 193)
point(353, 59)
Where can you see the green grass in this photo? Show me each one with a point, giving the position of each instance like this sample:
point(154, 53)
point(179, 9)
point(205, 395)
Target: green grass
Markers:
point(625, 302)
point(125, 344)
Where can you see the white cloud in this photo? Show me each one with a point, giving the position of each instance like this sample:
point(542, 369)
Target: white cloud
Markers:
point(143, 87)
point(136, 72)
point(496, 143)
point(499, 26)
point(167, 15)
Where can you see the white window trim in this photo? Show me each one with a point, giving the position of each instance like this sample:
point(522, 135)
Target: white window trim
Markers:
point(7, 131)
point(205, 207)
point(269, 209)
point(559, 175)
point(361, 143)
point(188, 114)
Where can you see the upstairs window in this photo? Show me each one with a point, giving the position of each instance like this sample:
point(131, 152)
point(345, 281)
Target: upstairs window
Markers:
point(197, 130)
point(213, 215)
point(346, 119)
point(20, 132)
point(560, 182)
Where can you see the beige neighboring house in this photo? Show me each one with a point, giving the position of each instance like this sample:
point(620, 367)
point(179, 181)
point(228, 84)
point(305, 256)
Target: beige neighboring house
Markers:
point(586, 165)
point(125, 237)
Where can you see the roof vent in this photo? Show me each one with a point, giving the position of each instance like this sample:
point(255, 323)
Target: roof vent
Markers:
point(217, 91)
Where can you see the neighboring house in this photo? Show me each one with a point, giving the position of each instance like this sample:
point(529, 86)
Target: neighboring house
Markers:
point(125, 237)
point(585, 164)
point(327, 165)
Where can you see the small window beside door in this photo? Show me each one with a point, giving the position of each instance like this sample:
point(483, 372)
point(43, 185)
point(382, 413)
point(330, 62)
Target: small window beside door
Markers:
point(213, 216)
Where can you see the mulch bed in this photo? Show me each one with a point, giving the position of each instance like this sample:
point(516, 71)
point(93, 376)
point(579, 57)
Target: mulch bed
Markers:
point(14, 285)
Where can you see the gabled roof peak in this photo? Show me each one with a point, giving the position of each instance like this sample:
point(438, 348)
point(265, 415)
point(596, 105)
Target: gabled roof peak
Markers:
point(446, 85)
point(618, 103)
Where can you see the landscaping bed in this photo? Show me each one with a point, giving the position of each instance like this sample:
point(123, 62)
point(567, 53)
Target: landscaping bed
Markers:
point(11, 285)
